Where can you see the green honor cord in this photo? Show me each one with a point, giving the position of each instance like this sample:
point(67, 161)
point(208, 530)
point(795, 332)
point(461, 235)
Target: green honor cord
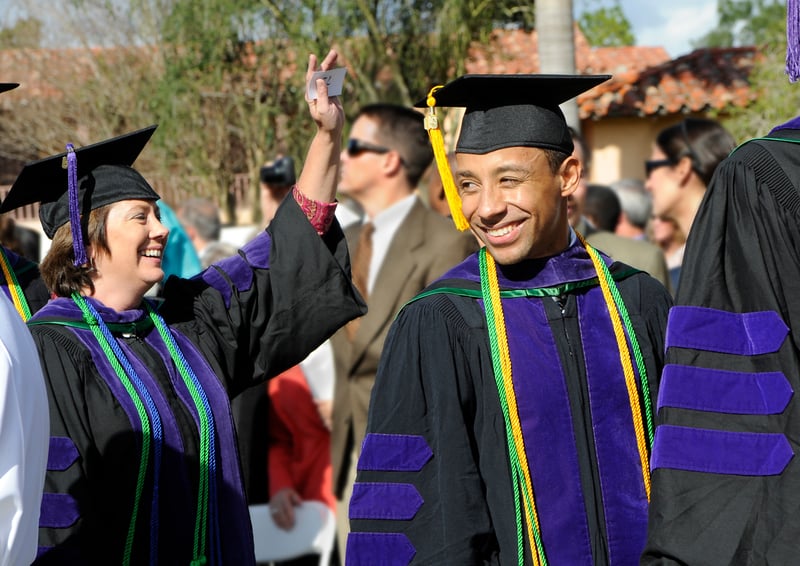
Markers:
point(94, 326)
point(207, 475)
point(207, 487)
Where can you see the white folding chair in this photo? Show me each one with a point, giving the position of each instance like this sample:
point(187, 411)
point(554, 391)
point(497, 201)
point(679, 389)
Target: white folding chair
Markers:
point(313, 533)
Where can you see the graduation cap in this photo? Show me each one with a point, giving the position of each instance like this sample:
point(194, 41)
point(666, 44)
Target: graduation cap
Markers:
point(8, 86)
point(78, 181)
point(503, 111)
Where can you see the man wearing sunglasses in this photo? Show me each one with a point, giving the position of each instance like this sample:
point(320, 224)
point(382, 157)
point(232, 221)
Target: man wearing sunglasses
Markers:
point(384, 159)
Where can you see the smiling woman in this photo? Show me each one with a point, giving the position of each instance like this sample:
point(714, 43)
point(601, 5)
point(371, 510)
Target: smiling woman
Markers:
point(143, 464)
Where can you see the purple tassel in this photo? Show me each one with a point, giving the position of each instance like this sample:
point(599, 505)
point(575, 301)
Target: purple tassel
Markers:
point(793, 39)
point(74, 207)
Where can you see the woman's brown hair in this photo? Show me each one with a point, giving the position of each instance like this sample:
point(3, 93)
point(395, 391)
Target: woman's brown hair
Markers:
point(60, 274)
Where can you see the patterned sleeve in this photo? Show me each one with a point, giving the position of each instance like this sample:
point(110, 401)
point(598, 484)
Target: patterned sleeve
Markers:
point(320, 214)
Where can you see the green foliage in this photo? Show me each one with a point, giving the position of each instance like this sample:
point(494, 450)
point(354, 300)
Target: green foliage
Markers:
point(746, 22)
point(26, 32)
point(777, 100)
point(761, 23)
point(606, 26)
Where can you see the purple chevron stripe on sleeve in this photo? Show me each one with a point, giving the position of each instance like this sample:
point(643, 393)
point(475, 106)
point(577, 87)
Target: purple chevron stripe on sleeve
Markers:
point(376, 500)
point(62, 453)
point(720, 452)
point(394, 453)
point(743, 334)
point(387, 549)
point(58, 511)
point(721, 391)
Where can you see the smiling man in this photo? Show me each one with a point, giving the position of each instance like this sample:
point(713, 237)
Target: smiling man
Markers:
point(510, 420)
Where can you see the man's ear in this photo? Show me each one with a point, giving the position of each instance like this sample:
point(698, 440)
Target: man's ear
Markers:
point(570, 173)
point(393, 161)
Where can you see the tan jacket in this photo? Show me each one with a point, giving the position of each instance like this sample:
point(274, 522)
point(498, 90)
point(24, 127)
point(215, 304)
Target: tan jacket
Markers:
point(424, 247)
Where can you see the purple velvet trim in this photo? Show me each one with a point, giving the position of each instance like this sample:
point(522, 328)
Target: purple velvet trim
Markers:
point(619, 464)
point(720, 452)
point(573, 264)
point(377, 500)
point(239, 269)
point(58, 511)
point(64, 307)
point(62, 453)
point(216, 280)
point(257, 250)
point(720, 391)
point(743, 334)
point(386, 549)
point(793, 124)
point(394, 453)
point(547, 428)
point(233, 516)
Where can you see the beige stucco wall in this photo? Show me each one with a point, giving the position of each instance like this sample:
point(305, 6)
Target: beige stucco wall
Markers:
point(620, 146)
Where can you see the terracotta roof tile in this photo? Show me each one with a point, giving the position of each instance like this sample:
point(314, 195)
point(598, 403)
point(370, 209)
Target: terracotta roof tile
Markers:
point(645, 81)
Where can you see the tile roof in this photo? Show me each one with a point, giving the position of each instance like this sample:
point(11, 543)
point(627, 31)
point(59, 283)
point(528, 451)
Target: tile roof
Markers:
point(705, 79)
point(645, 81)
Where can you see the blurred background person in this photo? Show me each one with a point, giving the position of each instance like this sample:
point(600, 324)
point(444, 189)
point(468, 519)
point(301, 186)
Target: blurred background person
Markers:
point(432, 189)
point(639, 254)
point(201, 219)
point(602, 207)
point(682, 162)
point(667, 236)
point(21, 240)
point(636, 204)
point(20, 280)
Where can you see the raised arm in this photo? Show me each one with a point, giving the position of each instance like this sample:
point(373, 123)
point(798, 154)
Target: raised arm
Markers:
point(320, 175)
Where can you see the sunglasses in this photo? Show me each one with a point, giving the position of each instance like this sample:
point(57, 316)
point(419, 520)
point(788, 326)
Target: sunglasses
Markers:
point(357, 147)
point(652, 164)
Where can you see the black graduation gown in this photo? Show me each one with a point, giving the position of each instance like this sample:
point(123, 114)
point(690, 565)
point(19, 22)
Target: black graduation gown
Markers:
point(434, 483)
point(29, 280)
point(726, 487)
point(246, 318)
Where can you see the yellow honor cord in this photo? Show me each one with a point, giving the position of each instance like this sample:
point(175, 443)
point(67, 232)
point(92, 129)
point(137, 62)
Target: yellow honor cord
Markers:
point(516, 429)
point(627, 367)
point(442, 164)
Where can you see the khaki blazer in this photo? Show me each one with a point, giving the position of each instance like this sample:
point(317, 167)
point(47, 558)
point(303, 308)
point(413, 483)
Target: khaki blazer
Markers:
point(424, 247)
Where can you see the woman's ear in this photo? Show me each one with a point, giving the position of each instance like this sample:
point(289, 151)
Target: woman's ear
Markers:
point(684, 168)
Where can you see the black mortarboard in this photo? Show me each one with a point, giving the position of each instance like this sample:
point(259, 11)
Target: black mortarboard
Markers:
point(78, 181)
point(503, 111)
point(513, 110)
point(8, 86)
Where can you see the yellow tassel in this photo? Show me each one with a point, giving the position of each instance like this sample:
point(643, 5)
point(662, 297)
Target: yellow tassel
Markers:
point(442, 164)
